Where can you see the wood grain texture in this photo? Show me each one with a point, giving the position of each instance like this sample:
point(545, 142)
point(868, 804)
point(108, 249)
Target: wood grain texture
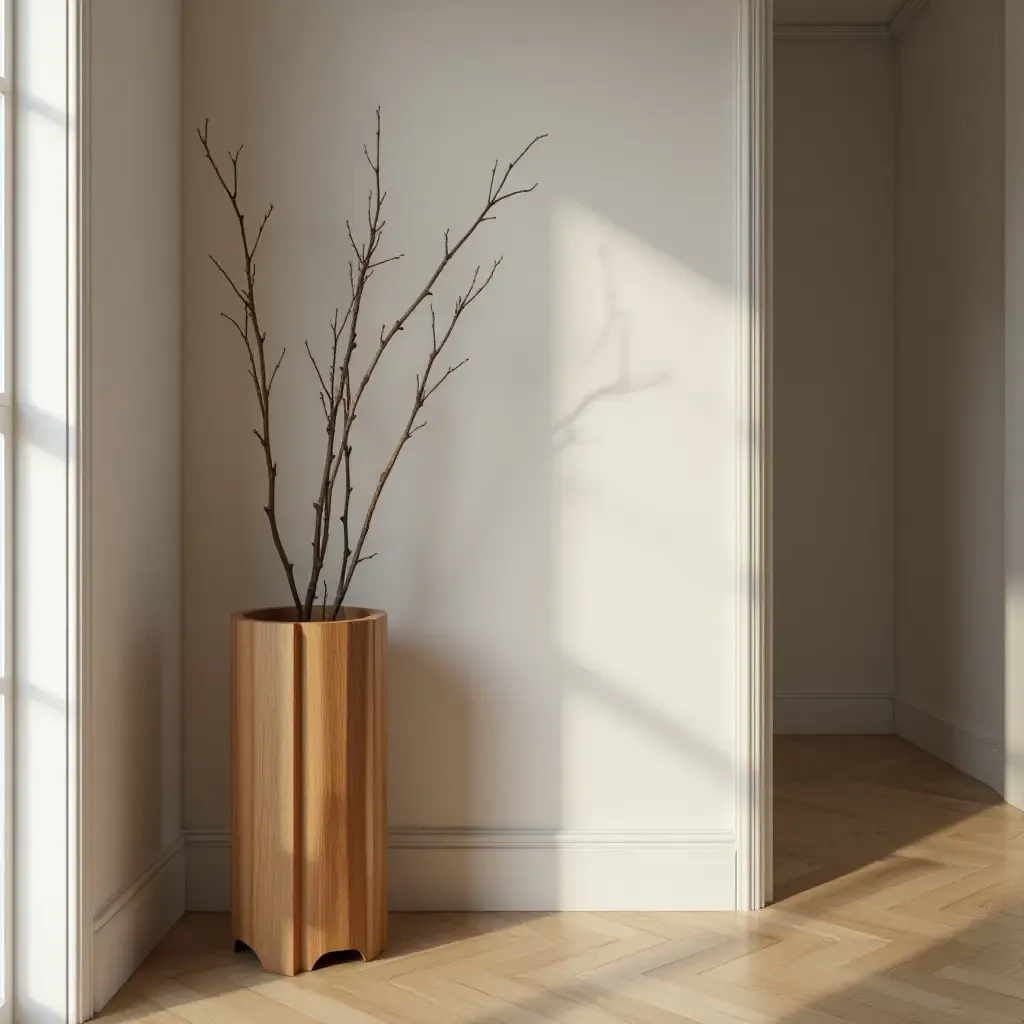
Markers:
point(309, 807)
point(906, 906)
point(265, 800)
point(345, 816)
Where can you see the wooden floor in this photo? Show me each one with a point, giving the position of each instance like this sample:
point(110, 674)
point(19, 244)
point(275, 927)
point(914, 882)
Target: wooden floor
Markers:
point(901, 899)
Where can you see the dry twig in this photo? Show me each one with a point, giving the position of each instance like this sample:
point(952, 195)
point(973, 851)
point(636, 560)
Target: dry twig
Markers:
point(339, 395)
point(255, 346)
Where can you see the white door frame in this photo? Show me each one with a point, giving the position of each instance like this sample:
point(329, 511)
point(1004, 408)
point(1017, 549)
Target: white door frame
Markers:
point(80, 903)
point(754, 838)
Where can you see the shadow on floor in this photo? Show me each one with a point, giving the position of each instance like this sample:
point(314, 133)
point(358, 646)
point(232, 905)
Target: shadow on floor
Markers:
point(904, 888)
point(843, 803)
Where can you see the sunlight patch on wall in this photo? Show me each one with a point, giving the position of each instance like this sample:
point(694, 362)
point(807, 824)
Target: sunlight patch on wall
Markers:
point(647, 439)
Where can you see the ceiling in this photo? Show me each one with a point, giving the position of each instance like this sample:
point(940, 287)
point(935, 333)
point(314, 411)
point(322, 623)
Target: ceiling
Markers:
point(836, 12)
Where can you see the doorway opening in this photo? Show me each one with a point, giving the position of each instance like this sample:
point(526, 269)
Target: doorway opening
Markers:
point(889, 446)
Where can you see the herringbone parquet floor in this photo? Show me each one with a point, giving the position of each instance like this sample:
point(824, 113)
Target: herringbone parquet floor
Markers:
point(901, 886)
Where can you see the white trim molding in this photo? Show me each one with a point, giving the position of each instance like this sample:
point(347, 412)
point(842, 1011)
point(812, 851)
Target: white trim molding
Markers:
point(127, 927)
point(49, 978)
point(1013, 709)
point(549, 839)
point(891, 29)
point(974, 754)
point(521, 869)
point(81, 949)
point(207, 871)
point(754, 718)
point(904, 16)
point(823, 31)
point(818, 714)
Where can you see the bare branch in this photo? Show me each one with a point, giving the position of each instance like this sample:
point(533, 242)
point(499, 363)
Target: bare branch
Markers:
point(227, 277)
point(339, 395)
point(277, 366)
point(256, 347)
point(445, 376)
point(259, 234)
point(495, 195)
point(319, 375)
point(472, 295)
point(244, 335)
point(516, 192)
point(389, 259)
point(352, 241)
point(450, 251)
point(231, 320)
point(338, 455)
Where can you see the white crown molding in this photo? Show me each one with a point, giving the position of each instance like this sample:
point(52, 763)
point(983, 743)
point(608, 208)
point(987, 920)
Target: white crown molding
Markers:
point(787, 31)
point(904, 16)
point(892, 29)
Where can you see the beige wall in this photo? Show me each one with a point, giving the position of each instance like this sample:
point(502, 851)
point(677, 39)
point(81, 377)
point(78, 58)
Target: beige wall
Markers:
point(559, 550)
point(950, 384)
point(133, 471)
point(834, 380)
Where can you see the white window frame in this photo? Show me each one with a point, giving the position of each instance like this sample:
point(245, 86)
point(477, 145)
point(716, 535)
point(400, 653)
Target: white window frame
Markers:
point(7, 511)
point(48, 967)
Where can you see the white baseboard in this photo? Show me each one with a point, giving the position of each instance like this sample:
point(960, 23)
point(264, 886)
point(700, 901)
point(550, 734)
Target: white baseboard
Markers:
point(434, 869)
point(972, 754)
point(128, 926)
point(474, 869)
point(207, 871)
point(833, 714)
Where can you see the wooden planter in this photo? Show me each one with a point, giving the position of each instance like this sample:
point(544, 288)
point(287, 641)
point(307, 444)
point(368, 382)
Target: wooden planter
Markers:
point(308, 793)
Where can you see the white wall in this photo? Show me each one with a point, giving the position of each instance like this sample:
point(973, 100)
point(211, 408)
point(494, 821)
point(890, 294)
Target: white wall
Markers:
point(133, 468)
point(834, 381)
point(1013, 788)
point(950, 383)
point(559, 550)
